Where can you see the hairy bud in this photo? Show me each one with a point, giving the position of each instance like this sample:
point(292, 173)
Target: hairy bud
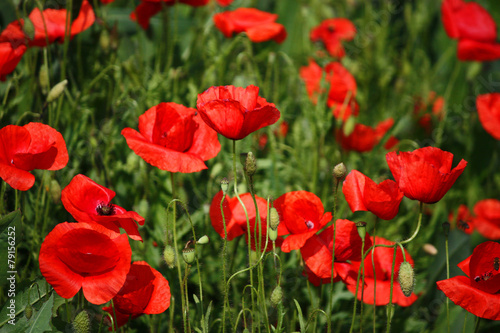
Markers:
point(406, 278)
point(81, 323)
point(339, 171)
point(169, 256)
point(276, 296)
point(274, 218)
point(56, 91)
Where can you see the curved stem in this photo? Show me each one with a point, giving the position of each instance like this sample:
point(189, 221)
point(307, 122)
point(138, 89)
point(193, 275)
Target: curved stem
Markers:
point(418, 225)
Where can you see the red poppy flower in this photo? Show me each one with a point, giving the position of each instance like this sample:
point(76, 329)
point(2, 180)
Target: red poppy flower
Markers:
point(332, 32)
point(88, 202)
point(463, 220)
point(279, 132)
point(383, 266)
point(363, 138)
point(145, 291)
point(341, 87)
point(487, 220)
point(424, 174)
point(29, 147)
point(317, 252)
point(9, 58)
point(391, 143)
point(149, 8)
point(173, 137)
point(236, 222)
point(362, 193)
point(301, 215)
point(85, 256)
point(473, 50)
point(479, 292)
point(236, 112)
point(50, 26)
point(488, 109)
point(424, 115)
point(258, 25)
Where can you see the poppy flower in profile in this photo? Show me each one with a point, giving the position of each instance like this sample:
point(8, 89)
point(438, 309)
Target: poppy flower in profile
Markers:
point(424, 174)
point(85, 256)
point(383, 267)
point(9, 58)
point(317, 253)
point(363, 138)
point(88, 202)
point(332, 32)
point(236, 112)
point(302, 215)
point(488, 109)
point(235, 219)
point(173, 137)
point(362, 193)
point(258, 25)
point(341, 87)
point(487, 220)
point(463, 220)
point(49, 26)
point(145, 291)
point(29, 147)
point(479, 291)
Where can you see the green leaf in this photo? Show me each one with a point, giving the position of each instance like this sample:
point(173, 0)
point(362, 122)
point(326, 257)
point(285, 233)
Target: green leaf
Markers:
point(301, 317)
point(6, 220)
point(38, 323)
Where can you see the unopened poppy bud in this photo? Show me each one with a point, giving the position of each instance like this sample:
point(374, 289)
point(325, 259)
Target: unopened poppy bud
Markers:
point(273, 234)
point(274, 218)
point(203, 240)
point(276, 296)
point(28, 311)
point(339, 171)
point(224, 185)
point(169, 256)
point(250, 164)
point(28, 28)
point(43, 79)
point(446, 228)
point(104, 40)
point(188, 255)
point(430, 249)
point(56, 91)
point(406, 278)
point(361, 226)
point(55, 191)
point(81, 323)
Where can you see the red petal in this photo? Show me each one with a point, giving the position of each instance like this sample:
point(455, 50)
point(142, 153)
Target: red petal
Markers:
point(472, 50)
point(43, 136)
point(488, 109)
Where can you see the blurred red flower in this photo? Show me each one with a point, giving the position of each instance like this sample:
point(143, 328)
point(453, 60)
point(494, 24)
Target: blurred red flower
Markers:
point(149, 8)
point(77, 256)
point(474, 28)
point(488, 109)
point(421, 110)
point(362, 193)
point(49, 26)
point(318, 250)
point(173, 137)
point(487, 220)
point(341, 87)
point(258, 25)
point(236, 222)
point(89, 202)
point(383, 266)
point(391, 143)
point(463, 220)
point(479, 292)
point(145, 291)
point(332, 32)
point(301, 215)
point(236, 112)
point(29, 147)
point(363, 138)
point(424, 174)
point(10, 55)
point(224, 3)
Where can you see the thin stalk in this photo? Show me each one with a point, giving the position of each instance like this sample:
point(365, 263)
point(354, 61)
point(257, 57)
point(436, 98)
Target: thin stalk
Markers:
point(390, 306)
point(224, 250)
point(361, 268)
point(374, 275)
point(330, 304)
point(476, 327)
point(418, 225)
point(447, 276)
point(184, 285)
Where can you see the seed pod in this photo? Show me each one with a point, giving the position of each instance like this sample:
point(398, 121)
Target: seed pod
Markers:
point(81, 323)
point(406, 278)
point(361, 226)
point(276, 296)
point(339, 171)
point(169, 256)
point(56, 91)
point(273, 234)
point(188, 255)
point(28, 311)
point(203, 240)
point(224, 185)
point(274, 218)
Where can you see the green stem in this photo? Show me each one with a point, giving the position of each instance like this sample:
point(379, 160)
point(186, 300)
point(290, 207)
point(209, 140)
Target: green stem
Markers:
point(224, 250)
point(447, 276)
point(418, 225)
point(330, 298)
point(374, 275)
point(390, 306)
point(476, 327)
point(361, 268)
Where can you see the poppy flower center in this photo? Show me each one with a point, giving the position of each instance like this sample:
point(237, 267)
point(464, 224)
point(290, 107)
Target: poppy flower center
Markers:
point(309, 225)
point(464, 225)
point(105, 209)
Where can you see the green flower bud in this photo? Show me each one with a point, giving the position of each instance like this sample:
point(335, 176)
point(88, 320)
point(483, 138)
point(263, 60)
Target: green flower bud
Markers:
point(276, 296)
point(339, 171)
point(249, 163)
point(81, 323)
point(28, 311)
point(169, 256)
point(203, 240)
point(43, 79)
point(224, 185)
point(274, 218)
point(188, 255)
point(29, 28)
point(361, 226)
point(55, 191)
point(406, 278)
point(273, 234)
point(56, 91)
point(104, 40)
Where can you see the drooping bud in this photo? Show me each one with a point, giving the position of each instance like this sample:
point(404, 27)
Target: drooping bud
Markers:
point(361, 226)
point(81, 323)
point(28, 311)
point(224, 185)
point(56, 91)
point(188, 255)
point(406, 278)
point(169, 256)
point(203, 240)
point(273, 234)
point(274, 218)
point(446, 228)
point(276, 296)
point(339, 171)
point(430, 249)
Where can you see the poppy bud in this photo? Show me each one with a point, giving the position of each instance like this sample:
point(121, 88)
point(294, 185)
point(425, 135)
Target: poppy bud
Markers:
point(188, 255)
point(276, 296)
point(203, 240)
point(169, 256)
point(349, 126)
point(406, 278)
point(56, 91)
point(55, 191)
point(274, 219)
point(430, 249)
point(339, 171)
point(104, 40)
point(28, 311)
point(81, 323)
point(224, 185)
point(446, 228)
point(250, 165)
point(273, 234)
point(29, 28)
point(361, 226)
point(43, 79)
